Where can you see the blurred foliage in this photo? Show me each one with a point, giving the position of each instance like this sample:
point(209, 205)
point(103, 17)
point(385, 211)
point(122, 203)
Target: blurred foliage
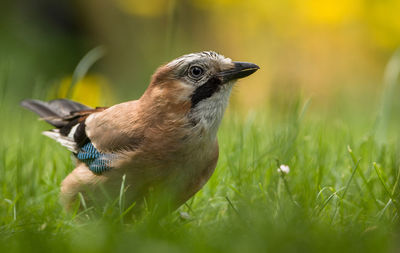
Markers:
point(319, 48)
point(150, 8)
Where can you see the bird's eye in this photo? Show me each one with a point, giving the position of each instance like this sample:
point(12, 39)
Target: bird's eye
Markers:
point(196, 71)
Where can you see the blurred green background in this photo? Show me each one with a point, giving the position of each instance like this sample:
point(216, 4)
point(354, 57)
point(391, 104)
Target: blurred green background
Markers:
point(324, 103)
point(319, 48)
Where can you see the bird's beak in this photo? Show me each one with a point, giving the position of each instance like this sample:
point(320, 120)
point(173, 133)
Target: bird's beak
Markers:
point(239, 70)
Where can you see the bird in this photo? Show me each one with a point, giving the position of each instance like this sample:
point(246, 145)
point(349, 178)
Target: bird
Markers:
point(164, 144)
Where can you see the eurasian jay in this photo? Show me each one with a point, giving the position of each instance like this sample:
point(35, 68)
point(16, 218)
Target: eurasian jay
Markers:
point(165, 142)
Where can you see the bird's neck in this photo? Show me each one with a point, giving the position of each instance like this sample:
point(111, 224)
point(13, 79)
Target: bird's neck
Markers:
point(207, 114)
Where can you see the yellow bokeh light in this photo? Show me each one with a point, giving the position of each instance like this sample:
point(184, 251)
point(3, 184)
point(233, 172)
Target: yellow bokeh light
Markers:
point(330, 11)
point(92, 90)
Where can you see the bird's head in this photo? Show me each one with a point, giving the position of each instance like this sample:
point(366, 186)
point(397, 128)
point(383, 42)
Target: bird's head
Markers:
point(199, 84)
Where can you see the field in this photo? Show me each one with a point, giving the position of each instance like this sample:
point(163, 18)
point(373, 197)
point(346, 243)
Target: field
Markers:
point(341, 194)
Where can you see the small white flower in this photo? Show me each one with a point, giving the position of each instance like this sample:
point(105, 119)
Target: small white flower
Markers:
point(284, 169)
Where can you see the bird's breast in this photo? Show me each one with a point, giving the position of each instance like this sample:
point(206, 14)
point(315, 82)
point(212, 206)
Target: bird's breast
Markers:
point(194, 170)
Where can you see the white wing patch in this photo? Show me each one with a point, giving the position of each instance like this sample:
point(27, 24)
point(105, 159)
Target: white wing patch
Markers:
point(66, 141)
point(72, 131)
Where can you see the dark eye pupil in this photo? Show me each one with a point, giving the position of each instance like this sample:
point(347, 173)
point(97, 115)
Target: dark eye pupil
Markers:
point(196, 71)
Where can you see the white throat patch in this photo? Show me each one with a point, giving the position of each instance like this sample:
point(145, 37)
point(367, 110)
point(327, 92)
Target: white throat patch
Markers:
point(208, 112)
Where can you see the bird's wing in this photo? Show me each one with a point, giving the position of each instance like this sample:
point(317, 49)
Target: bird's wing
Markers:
point(94, 135)
point(117, 128)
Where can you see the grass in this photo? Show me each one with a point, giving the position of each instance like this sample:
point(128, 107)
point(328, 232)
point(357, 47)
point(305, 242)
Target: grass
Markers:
point(341, 195)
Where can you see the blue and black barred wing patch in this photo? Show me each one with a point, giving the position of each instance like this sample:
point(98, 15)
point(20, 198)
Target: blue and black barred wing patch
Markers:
point(97, 162)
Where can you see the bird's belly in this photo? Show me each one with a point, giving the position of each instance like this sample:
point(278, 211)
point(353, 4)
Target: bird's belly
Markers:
point(174, 179)
point(191, 179)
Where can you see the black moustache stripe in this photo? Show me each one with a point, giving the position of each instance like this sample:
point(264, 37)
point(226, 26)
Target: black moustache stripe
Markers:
point(206, 90)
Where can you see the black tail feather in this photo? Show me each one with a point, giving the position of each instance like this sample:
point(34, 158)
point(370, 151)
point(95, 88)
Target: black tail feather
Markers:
point(64, 107)
point(54, 111)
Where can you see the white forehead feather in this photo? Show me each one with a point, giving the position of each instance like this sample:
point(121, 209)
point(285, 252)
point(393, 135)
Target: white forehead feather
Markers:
point(194, 56)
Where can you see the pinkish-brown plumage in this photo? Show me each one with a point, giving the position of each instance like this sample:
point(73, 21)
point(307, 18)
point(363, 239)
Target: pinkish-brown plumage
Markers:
point(165, 143)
